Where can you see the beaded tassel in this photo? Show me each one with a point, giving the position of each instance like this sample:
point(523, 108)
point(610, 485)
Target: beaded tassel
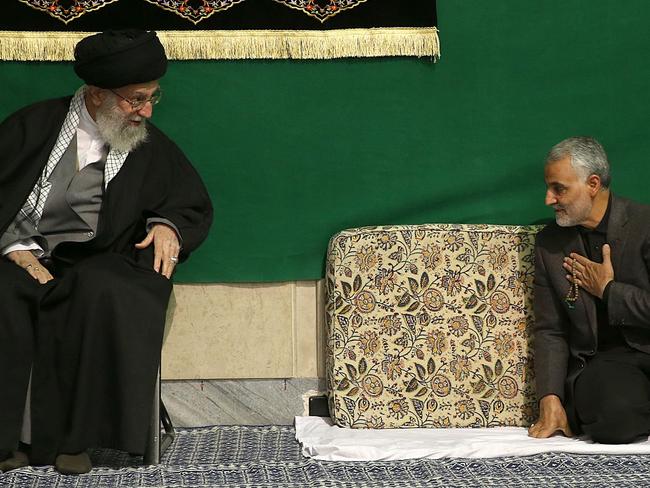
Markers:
point(572, 294)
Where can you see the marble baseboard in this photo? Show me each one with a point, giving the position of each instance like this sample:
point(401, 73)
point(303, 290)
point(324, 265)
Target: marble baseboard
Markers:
point(196, 403)
point(245, 330)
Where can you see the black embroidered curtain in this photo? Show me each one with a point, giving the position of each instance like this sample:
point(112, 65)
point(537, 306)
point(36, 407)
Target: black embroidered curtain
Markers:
point(227, 29)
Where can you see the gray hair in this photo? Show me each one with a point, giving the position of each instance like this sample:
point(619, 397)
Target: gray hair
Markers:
point(587, 157)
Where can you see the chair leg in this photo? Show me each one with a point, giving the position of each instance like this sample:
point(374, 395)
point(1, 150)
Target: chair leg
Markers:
point(157, 444)
point(152, 452)
point(168, 436)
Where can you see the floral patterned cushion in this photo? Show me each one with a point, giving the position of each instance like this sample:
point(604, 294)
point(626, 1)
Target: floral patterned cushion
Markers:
point(429, 326)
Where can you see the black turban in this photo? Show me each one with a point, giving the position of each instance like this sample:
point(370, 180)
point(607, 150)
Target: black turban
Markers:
point(113, 59)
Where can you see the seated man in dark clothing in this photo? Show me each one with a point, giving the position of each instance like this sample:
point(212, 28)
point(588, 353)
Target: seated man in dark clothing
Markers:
point(97, 207)
point(592, 303)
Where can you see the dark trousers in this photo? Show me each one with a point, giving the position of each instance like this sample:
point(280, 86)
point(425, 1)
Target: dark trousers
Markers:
point(612, 396)
point(92, 339)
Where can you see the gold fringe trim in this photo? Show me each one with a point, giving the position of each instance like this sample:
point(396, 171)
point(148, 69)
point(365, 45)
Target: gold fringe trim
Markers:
point(243, 44)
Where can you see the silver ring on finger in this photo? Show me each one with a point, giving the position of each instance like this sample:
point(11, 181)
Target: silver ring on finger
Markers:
point(174, 259)
point(28, 266)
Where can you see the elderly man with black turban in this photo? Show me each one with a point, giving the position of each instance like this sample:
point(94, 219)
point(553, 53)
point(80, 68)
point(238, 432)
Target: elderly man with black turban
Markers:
point(97, 207)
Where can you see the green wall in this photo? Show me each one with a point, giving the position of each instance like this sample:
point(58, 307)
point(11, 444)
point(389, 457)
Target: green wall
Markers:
point(293, 151)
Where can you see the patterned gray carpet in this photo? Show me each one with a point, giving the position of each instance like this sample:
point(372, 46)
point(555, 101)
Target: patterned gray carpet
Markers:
point(269, 456)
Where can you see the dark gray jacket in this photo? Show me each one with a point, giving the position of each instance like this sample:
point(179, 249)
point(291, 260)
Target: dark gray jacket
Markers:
point(565, 338)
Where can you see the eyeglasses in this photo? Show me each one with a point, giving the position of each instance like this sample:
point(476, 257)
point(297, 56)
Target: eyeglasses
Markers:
point(138, 103)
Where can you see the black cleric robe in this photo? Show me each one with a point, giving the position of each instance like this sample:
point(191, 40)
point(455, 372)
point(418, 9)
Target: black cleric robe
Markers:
point(92, 336)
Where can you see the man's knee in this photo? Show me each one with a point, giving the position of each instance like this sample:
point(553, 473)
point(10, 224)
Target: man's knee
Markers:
point(113, 278)
point(18, 297)
point(15, 282)
point(102, 275)
point(618, 427)
point(613, 403)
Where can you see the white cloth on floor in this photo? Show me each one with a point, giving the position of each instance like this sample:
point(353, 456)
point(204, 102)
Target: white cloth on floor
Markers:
point(322, 440)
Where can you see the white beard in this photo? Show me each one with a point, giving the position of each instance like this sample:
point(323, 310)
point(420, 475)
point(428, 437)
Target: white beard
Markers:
point(574, 214)
point(114, 127)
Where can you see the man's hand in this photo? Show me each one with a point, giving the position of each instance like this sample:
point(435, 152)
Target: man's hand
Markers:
point(166, 248)
point(29, 262)
point(592, 277)
point(552, 419)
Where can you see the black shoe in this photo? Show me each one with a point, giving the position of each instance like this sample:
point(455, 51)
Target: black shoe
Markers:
point(16, 459)
point(73, 463)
